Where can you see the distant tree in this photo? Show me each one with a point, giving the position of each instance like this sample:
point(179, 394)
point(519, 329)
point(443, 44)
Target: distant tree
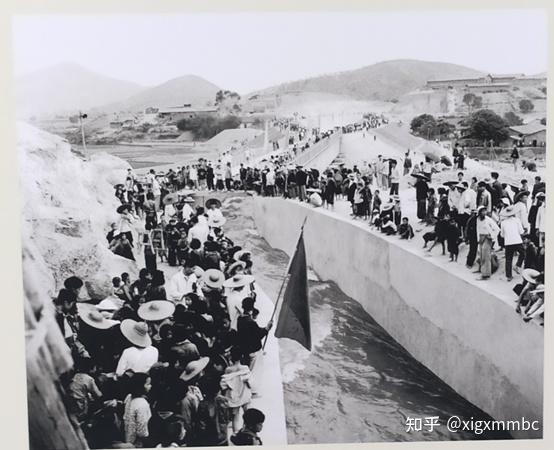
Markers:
point(443, 128)
point(227, 102)
point(208, 127)
point(512, 119)
point(423, 125)
point(543, 121)
point(526, 105)
point(487, 125)
point(472, 101)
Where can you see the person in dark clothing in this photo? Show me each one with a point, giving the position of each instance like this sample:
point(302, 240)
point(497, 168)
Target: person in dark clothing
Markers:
point(301, 179)
point(210, 177)
point(531, 260)
point(253, 424)
point(440, 233)
point(330, 190)
point(405, 230)
point(453, 238)
point(421, 188)
point(496, 191)
point(122, 247)
point(249, 333)
point(471, 239)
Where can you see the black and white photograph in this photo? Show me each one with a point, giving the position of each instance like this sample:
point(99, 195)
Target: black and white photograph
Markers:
point(277, 228)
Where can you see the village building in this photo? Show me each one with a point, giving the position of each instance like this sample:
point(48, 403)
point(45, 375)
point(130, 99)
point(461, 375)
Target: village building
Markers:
point(532, 134)
point(186, 111)
point(488, 83)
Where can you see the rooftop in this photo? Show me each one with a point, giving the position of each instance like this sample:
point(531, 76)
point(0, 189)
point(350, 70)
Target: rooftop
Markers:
point(529, 128)
point(185, 109)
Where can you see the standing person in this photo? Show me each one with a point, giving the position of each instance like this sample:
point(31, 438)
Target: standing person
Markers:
point(484, 197)
point(212, 416)
point(468, 202)
point(471, 238)
point(422, 188)
point(210, 177)
point(428, 168)
point(301, 179)
point(487, 230)
point(394, 178)
point(228, 177)
point(515, 157)
point(520, 208)
point(496, 190)
point(461, 159)
point(384, 173)
point(137, 410)
point(407, 162)
point(141, 355)
point(512, 230)
point(453, 239)
point(235, 384)
point(193, 176)
point(431, 206)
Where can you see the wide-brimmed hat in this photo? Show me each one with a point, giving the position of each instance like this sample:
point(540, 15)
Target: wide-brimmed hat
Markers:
point(313, 190)
point(387, 206)
point(213, 201)
point(540, 194)
point(188, 200)
point(238, 280)
point(119, 186)
point(193, 368)
point(211, 246)
point(198, 271)
point(450, 183)
point(395, 197)
point(530, 275)
point(136, 332)
point(122, 208)
point(505, 200)
point(480, 207)
point(235, 265)
point(216, 221)
point(213, 278)
point(169, 199)
point(420, 176)
point(509, 211)
point(237, 256)
point(519, 195)
point(95, 319)
point(111, 303)
point(155, 310)
point(460, 186)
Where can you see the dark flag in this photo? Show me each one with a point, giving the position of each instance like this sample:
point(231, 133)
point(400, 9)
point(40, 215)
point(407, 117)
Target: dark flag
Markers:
point(294, 317)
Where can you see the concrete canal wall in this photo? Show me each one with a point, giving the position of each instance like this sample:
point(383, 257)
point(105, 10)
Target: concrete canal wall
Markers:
point(470, 338)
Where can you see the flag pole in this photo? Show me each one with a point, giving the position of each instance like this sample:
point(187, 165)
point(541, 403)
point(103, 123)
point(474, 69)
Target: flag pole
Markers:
point(285, 278)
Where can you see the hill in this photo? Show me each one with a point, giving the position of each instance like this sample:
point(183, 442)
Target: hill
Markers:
point(177, 91)
point(382, 81)
point(66, 88)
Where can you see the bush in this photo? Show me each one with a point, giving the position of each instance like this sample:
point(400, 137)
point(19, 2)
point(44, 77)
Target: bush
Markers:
point(526, 105)
point(208, 127)
point(487, 125)
point(512, 119)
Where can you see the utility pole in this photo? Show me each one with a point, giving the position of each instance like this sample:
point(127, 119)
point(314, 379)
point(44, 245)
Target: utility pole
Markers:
point(81, 117)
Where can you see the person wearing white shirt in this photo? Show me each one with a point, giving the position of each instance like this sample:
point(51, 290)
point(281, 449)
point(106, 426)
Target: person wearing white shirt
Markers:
point(521, 211)
point(199, 231)
point(193, 176)
point(512, 230)
point(487, 230)
point(214, 213)
point(182, 282)
point(187, 211)
point(139, 360)
point(394, 178)
point(234, 300)
point(466, 204)
point(541, 223)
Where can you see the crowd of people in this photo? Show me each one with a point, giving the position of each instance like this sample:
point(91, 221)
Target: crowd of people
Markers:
point(167, 361)
point(491, 218)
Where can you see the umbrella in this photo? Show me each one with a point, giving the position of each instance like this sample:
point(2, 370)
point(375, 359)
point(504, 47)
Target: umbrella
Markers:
point(420, 176)
point(171, 198)
point(213, 201)
point(450, 183)
point(432, 156)
point(122, 208)
point(446, 161)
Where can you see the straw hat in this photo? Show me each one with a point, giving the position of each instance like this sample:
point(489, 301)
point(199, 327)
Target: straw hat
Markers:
point(238, 280)
point(387, 207)
point(237, 256)
point(199, 272)
point(95, 319)
point(155, 310)
point(214, 278)
point(519, 195)
point(460, 186)
point(136, 333)
point(235, 265)
point(213, 201)
point(188, 200)
point(216, 221)
point(193, 368)
point(509, 211)
point(505, 200)
point(530, 275)
point(110, 303)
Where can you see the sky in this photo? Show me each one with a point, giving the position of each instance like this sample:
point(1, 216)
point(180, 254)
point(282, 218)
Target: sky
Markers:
point(248, 51)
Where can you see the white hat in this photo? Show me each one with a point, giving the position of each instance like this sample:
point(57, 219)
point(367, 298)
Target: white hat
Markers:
point(136, 333)
point(239, 280)
point(155, 310)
